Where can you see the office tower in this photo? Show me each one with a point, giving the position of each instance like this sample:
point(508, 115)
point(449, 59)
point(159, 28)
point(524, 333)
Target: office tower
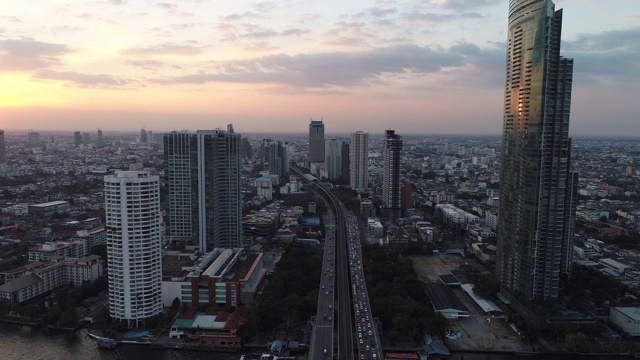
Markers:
point(86, 138)
point(150, 139)
point(391, 178)
point(202, 177)
point(263, 151)
point(143, 136)
point(333, 159)
point(537, 186)
point(134, 245)
point(278, 159)
point(316, 145)
point(359, 161)
point(100, 140)
point(344, 172)
point(3, 151)
point(245, 148)
point(77, 138)
point(33, 137)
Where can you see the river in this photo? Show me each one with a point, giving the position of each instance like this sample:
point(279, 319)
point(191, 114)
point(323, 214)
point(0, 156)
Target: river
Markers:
point(21, 342)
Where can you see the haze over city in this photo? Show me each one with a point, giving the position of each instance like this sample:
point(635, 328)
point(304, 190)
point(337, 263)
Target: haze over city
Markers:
point(432, 66)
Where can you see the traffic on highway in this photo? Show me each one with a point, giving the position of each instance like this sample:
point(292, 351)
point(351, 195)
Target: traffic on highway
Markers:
point(368, 344)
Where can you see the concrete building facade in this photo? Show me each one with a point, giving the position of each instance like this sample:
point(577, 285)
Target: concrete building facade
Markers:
point(134, 245)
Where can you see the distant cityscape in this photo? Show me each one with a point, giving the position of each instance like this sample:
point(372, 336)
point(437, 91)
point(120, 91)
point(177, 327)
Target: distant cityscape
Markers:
point(322, 245)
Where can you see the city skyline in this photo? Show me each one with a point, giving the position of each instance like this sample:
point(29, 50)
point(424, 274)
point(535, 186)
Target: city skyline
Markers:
point(417, 66)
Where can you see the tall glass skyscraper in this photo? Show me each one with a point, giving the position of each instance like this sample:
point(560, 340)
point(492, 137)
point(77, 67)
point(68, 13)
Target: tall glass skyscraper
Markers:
point(537, 193)
point(316, 141)
point(202, 176)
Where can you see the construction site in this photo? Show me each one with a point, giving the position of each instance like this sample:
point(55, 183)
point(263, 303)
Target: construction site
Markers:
point(474, 323)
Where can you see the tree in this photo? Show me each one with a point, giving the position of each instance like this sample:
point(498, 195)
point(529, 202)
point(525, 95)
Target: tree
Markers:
point(578, 342)
point(69, 318)
point(175, 304)
point(486, 286)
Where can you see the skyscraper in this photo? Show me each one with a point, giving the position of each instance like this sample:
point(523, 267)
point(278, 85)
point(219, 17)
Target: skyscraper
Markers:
point(245, 148)
point(202, 177)
point(359, 161)
point(33, 137)
point(134, 245)
point(77, 138)
point(86, 138)
point(316, 143)
point(3, 153)
point(344, 172)
point(391, 178)
point(143, 136)
point(100, 140)
point(278, 159)
point(537, 192)
point(333, 159)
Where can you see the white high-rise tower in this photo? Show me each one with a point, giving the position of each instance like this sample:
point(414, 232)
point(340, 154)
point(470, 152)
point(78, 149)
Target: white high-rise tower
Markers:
point(134, 245)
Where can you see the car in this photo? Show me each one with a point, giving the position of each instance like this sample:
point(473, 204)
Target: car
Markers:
point(369, 325)
point(374, 356)
point(330, 306)
point(325, 351)
point(361, 356)
point(370, 333)
point(326, 293)
point(367, 347)
point(361, 342)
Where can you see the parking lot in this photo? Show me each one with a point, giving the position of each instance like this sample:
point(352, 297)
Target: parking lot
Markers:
point(475, 331)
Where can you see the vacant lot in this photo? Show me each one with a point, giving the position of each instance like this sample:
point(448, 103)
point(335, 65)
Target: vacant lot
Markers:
point(475, 330)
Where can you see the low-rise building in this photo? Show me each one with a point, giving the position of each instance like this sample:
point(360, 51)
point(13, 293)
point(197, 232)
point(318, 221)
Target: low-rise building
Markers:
point(627, 318)
point(45, 210)
point(38, 278)
point(223, 277)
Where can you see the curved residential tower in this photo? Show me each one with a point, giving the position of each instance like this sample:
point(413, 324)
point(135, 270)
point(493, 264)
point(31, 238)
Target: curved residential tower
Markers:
point(537, 194)
point(134, 245)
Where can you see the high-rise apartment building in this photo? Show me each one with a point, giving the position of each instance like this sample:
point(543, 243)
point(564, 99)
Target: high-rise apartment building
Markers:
point(391, 204)
point(344, 172)
point(33, 137)
point(246, 149)
point(86, 138)
point(134, 245)
point(204, 198)
point(537, 187)
point(359, 161)
point(316, 144)
point(3, 151)
point(144, 136)
point(333, 159)
point(100, 139)
point(77, 138)
point(278, 159)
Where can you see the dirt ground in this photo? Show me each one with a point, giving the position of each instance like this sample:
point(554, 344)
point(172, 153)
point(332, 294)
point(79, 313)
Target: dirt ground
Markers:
point(476, 332)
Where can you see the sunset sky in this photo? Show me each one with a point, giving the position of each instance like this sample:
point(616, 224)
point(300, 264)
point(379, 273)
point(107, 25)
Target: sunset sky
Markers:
point(416, 66)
